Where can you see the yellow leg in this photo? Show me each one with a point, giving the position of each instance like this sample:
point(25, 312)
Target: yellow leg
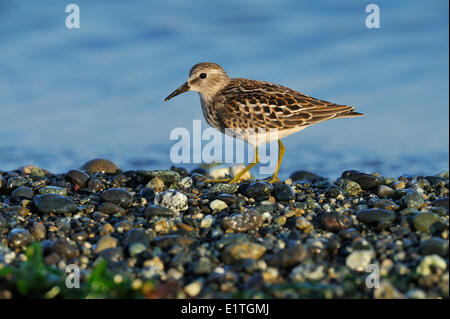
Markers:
point(281, 150)
point(245, 170)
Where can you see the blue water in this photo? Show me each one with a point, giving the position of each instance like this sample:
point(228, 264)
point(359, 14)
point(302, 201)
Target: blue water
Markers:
point(67, 96)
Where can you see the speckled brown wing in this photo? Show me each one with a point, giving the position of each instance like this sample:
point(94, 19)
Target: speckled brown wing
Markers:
point(254, 104)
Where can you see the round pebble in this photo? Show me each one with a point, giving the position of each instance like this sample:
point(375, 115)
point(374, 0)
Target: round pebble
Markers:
point(118, 196)
point(54, 203)
point(19, 237)
point(100, 165)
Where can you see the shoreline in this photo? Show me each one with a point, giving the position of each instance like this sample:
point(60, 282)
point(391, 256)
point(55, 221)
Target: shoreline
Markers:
point(172, 234)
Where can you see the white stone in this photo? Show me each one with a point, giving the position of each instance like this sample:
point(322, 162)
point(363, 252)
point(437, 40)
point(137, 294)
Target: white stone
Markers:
point(359, 260)
point(219, 172)
point(186, 182)
point(217, 204)
point(172, 199)
point(207, 221)
point(432, 260)
point(193, 289)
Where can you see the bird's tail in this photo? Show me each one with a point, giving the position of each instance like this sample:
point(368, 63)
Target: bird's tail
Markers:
point(351, 114)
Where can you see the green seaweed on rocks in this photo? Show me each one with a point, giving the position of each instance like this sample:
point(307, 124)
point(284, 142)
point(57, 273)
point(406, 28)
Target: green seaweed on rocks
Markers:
point(34, 279)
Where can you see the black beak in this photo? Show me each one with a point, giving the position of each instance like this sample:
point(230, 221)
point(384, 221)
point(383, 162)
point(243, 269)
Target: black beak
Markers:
point(184, 88)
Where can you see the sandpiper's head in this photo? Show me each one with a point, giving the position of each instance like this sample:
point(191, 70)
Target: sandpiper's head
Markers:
point(205, 78)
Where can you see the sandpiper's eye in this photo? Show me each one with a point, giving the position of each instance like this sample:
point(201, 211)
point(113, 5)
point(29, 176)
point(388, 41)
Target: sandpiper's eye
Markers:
point(202, 75)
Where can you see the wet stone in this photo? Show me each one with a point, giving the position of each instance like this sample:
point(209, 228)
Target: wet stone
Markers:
point(19, 237)
point(167, 176)
point(366, 181)
point(334, 191)
point(22, 193)
point(249, 220)
point(228, 199)
point(105, 242)
point(78, 177)
point(333, 221)
point(80, 236)
point(147, 193)
point(94, 185)
point(409, 211)
point(53, 190)
point(54, 203)
point(137, 236)
point(434, 246)
point(34, 170)
point(359, 260)
point(435, 180)
point(224, 188)
point(412, 199)
point(283, 193)
point(385, 191)
point(350, 187)
point(303, 176)
point(14, 182)
point(386, 204)
point(112, 255)
point(440, 202)
point(168, 241)
point(110, 208)
point(64, 249)
point(136, 249)
point(381, 218)
point(100, 165)
point(38, 231)
point(118, 196)
point(288, 257)
point(3, 222)
point(155, 210)
point(156, 183)
point(202, 266)
point(259, 190)
point(243, 250)
point(428, 222)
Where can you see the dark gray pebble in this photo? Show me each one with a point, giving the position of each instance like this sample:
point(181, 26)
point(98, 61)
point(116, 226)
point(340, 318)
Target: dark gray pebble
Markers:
point(22, 193)
point(155, 210)
point(283, 193)
point(147, 193)
point(119, 196)
point(333, 221)
point(259, 190)
point(137, 236)
point(366, 181)
point(111, 208)
point(435, 245)
point(78, 177)
point(303, 176)
point(64, 249)
point(381, 218)
point(54, 203)
point(288, 257)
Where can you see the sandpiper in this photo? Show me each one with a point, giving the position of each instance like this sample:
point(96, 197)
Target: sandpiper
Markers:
point(256, 111)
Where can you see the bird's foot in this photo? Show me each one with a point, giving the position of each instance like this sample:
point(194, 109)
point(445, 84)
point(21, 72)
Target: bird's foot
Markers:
point(274, 179)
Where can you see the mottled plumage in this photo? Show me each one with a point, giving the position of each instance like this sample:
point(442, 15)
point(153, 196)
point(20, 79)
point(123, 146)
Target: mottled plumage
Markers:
point(251, 104)
point(248, 108)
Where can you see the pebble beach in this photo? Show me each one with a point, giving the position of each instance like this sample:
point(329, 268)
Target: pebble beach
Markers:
point(174, 234)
